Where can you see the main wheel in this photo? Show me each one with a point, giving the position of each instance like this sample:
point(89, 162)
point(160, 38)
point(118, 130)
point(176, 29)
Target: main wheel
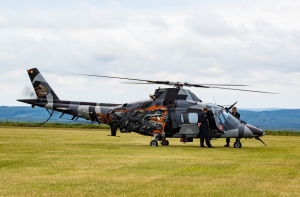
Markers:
point(153, 143)
point(165, 143)
point(237, 144)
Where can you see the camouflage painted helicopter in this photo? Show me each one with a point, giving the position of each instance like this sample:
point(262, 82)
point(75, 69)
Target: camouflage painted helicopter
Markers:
point(169, 113)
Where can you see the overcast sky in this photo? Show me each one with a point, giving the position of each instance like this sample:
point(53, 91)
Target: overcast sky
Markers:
point(255, 43)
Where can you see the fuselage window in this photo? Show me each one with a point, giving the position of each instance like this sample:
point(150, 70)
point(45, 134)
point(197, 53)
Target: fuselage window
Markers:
point(193, 117)
point(184, 118)
point(189, 118)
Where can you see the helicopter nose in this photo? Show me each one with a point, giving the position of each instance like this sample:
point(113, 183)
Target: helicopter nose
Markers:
point(256, 131)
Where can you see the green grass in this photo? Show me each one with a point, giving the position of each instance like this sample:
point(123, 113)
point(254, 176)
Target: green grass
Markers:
point(283, 133)
point(55, 125)
point(86, 162)
point(104, 126)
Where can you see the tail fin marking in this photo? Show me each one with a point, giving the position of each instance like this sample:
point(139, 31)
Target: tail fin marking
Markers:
point(40, 85)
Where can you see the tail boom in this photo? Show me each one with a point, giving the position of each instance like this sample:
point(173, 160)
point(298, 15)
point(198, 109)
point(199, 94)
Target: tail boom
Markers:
point(46, 98)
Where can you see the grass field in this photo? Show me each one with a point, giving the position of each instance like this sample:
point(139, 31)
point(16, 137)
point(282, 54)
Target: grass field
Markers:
point(85, 162)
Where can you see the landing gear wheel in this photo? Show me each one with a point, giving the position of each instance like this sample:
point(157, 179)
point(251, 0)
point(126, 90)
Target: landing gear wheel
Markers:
point(153, 143)
point(237, 144)
point(165, 143)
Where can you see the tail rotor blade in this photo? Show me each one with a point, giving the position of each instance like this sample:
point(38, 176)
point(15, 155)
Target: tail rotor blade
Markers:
point(28, 93)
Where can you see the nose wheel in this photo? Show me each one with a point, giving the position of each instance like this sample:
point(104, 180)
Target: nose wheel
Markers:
point(237, 144)
point(154, 143)
point(165, 142)
point(159, 137)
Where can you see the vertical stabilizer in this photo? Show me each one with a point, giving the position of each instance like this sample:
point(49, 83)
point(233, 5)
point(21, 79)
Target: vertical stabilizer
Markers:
point(40, 85)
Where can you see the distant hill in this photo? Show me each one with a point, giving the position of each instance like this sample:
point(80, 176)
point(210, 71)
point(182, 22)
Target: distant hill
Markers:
point(259, 109)
point(288, 119)
point(29, 114)
point(276, 119)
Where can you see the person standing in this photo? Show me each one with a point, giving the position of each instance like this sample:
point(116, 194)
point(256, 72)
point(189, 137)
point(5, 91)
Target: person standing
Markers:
point(203, 128)
point(237, 115)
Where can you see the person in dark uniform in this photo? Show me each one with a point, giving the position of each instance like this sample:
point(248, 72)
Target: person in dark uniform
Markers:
point(237, 115)
point(203, 128)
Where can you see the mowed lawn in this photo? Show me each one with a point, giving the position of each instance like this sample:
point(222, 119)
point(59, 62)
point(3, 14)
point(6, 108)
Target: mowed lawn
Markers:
point(83, 162)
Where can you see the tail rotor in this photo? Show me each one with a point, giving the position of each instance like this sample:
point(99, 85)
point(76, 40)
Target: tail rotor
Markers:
point(28, 93)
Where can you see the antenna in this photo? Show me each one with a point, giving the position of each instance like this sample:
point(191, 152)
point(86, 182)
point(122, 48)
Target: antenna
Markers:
point(214, 99)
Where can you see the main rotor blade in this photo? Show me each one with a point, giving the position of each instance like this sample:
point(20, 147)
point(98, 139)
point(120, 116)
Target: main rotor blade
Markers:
point(138, 82)
point(210, 85)
point(179, 84)
point(244, 90)
point(103, 76)
point(215, 86)
point(195, 85)
point(220, 84)
point(159, 82)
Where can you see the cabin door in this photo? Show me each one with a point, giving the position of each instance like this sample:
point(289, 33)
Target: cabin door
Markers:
point(188, 122)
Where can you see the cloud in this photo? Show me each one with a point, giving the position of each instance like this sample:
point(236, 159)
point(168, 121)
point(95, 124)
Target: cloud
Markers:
point(209, 24)
point(202, 42)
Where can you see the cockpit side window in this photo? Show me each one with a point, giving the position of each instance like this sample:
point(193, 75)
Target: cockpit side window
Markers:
point(226, 119)
point(221, 116)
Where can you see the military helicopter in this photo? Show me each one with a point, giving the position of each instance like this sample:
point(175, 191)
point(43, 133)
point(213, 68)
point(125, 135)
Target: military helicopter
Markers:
point(169, 113)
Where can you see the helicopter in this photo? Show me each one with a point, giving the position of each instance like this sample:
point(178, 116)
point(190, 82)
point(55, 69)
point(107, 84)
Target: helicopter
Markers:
point(168, 113)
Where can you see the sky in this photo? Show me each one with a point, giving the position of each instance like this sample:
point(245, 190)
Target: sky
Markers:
point(256, 43)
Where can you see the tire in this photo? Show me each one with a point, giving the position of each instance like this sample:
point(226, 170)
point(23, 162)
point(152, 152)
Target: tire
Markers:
point(165, 143)
point(237, 145)
point(153, 143)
